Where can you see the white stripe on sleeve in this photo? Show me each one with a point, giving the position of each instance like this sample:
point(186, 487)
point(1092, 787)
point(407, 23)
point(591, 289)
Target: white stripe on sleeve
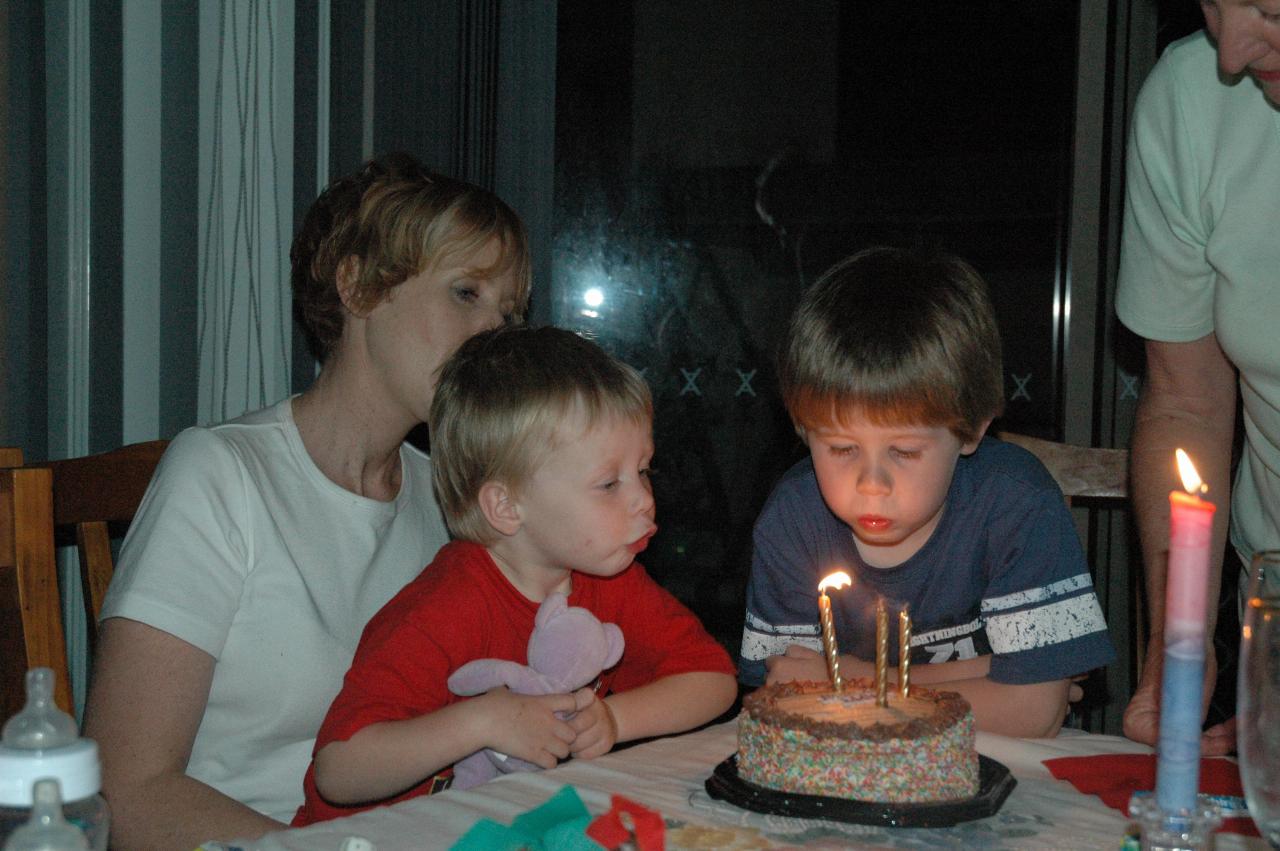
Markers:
point(1018, 599)
point(1044, 625)
point(758, 645)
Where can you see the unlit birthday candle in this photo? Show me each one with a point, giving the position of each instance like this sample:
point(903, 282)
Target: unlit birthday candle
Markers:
point(1181, 691)
point(882, 654)
point(904, 653)
point(839, 579)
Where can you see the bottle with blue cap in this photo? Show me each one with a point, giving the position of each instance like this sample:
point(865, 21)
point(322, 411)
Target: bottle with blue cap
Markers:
point(42, 742)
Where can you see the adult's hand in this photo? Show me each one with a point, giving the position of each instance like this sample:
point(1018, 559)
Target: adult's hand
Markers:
point(1220, 739)
point(1142, 715)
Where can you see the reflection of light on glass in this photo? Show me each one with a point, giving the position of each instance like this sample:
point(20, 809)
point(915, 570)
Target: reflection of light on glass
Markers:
point(590, 314)
point(594, 297)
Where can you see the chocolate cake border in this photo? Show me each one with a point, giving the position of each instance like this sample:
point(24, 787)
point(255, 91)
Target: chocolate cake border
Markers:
point(951, 709)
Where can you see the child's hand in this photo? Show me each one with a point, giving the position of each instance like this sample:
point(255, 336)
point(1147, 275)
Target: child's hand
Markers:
point(526, 726)
point(797, 663)
point(801, 663)
point(597, 729)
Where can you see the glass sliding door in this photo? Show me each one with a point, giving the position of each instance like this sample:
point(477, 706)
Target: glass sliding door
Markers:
point(712, 159)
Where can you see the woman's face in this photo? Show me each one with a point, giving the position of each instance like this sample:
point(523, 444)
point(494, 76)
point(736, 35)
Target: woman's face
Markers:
point(420, 323)
point(1247, 33)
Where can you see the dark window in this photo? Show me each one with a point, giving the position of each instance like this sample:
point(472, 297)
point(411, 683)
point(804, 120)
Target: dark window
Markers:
point(713, 158)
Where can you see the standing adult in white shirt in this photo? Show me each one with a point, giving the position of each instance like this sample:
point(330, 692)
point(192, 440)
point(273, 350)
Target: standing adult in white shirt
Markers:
point(1200, 281)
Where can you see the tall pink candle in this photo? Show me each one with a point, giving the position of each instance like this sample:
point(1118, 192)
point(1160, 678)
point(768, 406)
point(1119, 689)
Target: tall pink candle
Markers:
point(1182, 687)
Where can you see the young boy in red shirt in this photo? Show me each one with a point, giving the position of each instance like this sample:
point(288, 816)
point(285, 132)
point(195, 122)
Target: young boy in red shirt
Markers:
point(541, 446)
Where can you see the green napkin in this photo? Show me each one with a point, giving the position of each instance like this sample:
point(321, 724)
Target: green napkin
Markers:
point(560, 823)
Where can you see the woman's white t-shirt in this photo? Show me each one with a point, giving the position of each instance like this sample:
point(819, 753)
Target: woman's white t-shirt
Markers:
point(1201, 249)
point(244, 549)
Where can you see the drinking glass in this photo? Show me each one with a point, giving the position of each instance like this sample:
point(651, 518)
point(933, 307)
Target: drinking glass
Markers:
point(1258, 695)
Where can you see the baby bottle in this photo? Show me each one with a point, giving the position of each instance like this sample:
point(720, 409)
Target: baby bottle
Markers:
point(42, 742)
point(47, 830)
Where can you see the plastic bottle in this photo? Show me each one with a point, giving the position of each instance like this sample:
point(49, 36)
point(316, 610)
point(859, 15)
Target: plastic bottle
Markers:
point(47, 829)
point(42, 742)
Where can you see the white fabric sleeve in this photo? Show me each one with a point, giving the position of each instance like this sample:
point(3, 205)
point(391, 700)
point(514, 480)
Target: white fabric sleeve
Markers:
point(184, 560)
point(1165, 289)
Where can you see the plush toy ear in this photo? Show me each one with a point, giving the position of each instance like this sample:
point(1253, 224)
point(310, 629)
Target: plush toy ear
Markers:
point(613, 637)
point(498, 507)
point(552, 605)
point(480, 675)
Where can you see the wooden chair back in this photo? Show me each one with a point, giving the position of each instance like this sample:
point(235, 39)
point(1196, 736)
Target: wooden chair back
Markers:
point(85, 501)
point(1083, 472)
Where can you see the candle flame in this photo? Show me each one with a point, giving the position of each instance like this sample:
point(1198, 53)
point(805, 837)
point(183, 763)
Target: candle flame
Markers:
point(1190, 478)
point(839, 579)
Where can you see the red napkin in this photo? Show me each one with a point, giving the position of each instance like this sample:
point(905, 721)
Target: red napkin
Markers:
point(627, 820)
point(1115, 777)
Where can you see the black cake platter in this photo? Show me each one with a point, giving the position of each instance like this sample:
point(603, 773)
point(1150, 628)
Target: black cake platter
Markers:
point(994, 785)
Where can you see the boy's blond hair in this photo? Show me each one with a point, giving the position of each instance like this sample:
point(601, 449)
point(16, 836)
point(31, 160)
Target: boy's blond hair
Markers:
point(499, 408)
point(900, 337)
point(394, 218)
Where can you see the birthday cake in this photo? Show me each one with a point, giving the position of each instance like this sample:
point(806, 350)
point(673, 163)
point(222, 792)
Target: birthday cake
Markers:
point(803, 737)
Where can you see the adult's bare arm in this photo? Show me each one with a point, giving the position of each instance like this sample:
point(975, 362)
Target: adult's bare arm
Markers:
point(1188, 400)
point(146, 699)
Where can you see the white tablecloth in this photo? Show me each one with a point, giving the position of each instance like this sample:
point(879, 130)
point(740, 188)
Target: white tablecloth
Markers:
point(668, 775)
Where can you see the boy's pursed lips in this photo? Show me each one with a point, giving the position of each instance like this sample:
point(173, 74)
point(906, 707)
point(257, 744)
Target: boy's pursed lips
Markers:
point(874, 522)
point(638, 546)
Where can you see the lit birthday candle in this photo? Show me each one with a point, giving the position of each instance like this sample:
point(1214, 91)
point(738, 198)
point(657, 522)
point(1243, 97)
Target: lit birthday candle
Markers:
point(839, 579)
point(882, 654)
point(1181, 691)
point(904, 653)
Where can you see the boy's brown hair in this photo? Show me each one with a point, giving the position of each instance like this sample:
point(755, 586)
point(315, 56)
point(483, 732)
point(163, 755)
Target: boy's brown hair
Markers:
point(500, 404)
point(384, 224)
point(899, 337)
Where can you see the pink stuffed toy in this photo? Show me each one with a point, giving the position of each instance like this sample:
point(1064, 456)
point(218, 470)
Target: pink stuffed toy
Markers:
point(568, 649)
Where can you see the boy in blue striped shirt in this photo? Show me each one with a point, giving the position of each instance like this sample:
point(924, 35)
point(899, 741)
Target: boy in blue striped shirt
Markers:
point(891, 372)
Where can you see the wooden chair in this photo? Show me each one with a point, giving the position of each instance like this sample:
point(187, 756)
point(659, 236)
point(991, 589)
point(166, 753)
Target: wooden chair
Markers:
point(86, 501)
point(1083, 472)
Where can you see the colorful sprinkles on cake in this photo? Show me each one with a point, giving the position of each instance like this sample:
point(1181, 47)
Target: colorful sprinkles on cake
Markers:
point(916, 750)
